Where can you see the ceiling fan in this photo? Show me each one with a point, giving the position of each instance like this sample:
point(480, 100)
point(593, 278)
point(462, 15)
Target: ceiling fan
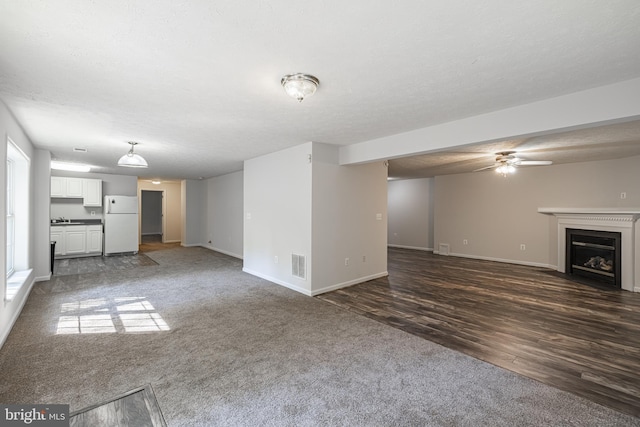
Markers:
point(507, 161)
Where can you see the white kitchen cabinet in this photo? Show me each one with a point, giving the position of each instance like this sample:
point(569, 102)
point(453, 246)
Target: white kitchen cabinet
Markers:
point(94, 238)
point(75, 239)
point(92, 192)
point(58, 186)
point(74, 187)
point(57, 235)
point(66, 187)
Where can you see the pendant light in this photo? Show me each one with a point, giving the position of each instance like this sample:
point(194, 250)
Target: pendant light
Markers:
point(132, 160)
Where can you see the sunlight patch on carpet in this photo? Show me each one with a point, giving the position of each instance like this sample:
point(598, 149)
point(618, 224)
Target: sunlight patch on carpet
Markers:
point(110, 315)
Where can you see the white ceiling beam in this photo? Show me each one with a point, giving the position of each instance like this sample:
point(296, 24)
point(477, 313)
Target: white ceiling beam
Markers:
point(599, 106)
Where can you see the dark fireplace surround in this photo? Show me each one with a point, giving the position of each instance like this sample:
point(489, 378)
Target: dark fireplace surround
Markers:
point(594, 257)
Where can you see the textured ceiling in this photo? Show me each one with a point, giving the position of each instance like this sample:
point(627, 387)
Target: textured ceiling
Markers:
point(197, 83)
point(598, 143)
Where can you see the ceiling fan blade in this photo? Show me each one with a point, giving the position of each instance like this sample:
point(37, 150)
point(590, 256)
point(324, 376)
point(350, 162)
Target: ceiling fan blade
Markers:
point(487, 167)
point(534, 162)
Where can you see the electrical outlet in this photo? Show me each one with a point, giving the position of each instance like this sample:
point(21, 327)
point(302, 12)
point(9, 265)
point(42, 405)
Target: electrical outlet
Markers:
point(364, 258)
point(623, 195)
point(275, 259)
point(465, 242)
point(248, 215)
point(523, 247)
point(346, 261)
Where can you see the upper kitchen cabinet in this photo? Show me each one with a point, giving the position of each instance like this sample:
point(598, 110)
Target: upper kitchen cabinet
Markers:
point(66, 187)
point(92, 192)
point(89, 190)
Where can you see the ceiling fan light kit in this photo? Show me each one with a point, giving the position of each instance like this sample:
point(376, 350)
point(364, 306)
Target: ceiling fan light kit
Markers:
point(507, 163)
point(505, 169)
point(300, 86)
point(132, 160)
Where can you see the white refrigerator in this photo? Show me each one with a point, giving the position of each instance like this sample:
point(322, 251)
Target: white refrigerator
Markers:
point(120, 224)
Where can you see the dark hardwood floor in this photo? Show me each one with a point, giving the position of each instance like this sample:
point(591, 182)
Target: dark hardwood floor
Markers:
point(528, 320)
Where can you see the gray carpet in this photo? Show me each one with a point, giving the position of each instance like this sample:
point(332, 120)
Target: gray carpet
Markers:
point(221, 347)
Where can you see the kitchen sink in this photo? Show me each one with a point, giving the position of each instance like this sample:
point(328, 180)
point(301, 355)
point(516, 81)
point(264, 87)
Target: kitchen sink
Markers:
point(67, 223)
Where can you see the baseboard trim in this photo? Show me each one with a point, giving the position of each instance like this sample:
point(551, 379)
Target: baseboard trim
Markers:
point(349, 283)
point(222, 251)
point(43, 278)
point(16, 314)
point(417, 248)
point(506, 261)
point(313, 293)
point(171, 241)
point(278, 282)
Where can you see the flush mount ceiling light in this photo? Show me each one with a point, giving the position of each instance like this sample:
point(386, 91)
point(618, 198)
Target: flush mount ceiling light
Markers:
point(132, 160)
point(299, 86)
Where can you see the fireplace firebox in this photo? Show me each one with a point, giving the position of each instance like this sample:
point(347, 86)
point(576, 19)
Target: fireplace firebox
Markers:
point(594, 256)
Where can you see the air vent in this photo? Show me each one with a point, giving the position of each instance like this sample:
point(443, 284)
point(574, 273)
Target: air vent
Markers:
point(298, 267)
point(443, 249)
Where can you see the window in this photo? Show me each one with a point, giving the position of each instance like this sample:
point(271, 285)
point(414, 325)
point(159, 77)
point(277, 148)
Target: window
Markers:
point(10, 219)
point(17, 236)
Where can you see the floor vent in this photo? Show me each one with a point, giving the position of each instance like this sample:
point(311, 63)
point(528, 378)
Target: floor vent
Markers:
point(298, 267)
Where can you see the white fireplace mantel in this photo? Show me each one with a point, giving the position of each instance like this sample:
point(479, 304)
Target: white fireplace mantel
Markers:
point(622, 220)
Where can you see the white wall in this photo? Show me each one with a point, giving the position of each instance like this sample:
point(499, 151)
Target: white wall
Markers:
point(318, 209)
point(41, 233)
point(496, 214)
point(39, 218)
point(194, 203)
point(277, 215)
point(410, 211)
point(224, 218)
point(349, 221)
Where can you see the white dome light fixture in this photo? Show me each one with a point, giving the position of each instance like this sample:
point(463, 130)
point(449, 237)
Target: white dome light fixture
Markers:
point(300, 86)
point(132, 160)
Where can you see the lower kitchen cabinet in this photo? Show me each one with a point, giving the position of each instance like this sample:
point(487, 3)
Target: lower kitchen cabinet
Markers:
point(94, 238)
point(57, 235)
point(77, 240)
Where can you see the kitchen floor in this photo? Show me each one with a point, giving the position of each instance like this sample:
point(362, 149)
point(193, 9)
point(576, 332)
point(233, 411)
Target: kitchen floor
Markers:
point(95, 264)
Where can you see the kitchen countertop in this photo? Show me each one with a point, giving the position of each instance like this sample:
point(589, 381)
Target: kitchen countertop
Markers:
point(77, 222)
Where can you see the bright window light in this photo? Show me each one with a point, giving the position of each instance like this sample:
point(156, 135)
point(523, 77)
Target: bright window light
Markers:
point(73, 167)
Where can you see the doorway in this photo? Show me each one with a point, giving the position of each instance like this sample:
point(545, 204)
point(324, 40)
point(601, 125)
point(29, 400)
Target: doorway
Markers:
point(152, 216)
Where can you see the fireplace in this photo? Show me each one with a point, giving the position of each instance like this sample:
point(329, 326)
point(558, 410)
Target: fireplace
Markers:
point(594, 256)
point(615, 220)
